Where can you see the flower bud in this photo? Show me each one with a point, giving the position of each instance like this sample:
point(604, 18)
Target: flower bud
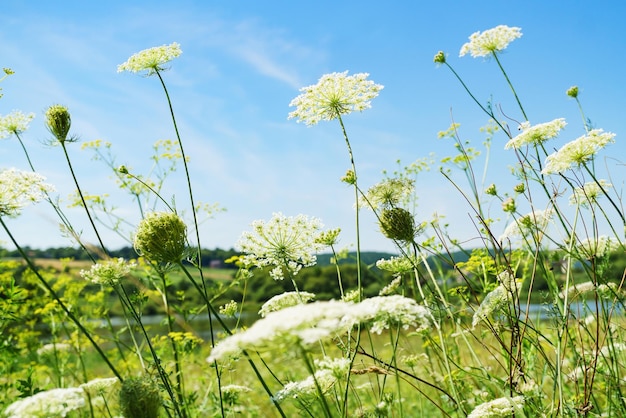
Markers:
point(139, 398)
point(161, 237)
point(572, 92)
point(58, 122)
point(440, 58)
point(509, 205)
point(491, 190)
point(398, 224)
point(519, 188)
point(349, 177)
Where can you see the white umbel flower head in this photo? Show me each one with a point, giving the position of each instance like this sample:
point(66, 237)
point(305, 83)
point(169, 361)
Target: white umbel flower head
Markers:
point(51, 403)
point(334, 94)
point(285, 300)
point(536, 134)
point(151, 59)
point(589, 193)
point(498, 408)
point(19, 188)
point(490, 41)
point(532, 224)
point(15, 122)
point(578, 151)
point(108, 272)
point(286, 243)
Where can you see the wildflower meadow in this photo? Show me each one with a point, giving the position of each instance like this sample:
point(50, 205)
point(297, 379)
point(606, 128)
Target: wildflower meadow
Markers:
point(521, 322)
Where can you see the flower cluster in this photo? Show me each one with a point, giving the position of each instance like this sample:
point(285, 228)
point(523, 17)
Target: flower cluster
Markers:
point(14, 123)
point(334, 95)
point(593, 248)
point(589, 193)
point(329, 371)
point(397, 265)
point(109, 272)
point(497, 298)
point(97, 386)
point(151, 59)
point(581, 289)
point(388, 193)
point(501, 407)
point(536, 134)
point(161, 237)
point(533, 224)
point(59, 122)
point(19, 188)
point(286, 243)
point(309, 323)
point(285, 300)
point(577, 152)
point(490, 41)
point(50, 403)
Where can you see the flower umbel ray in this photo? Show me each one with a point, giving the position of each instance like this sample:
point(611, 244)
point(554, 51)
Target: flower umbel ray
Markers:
point(334, 94)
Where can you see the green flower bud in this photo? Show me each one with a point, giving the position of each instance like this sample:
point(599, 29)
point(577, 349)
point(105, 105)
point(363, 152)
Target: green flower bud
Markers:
point(509, 205)
point(440, 58)
point(122, 169)
point(519, 188)
point(398, 224)
point(139, 398)
point(491, 190)
point(161, 237)
point(58, 122)
point(349, 177)
point(572, 92)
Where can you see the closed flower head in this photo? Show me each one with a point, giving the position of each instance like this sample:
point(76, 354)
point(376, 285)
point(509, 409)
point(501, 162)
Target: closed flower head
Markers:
point(161, 237)
point(334, 95)
point(151, 60)
point(398, 224)
point(139, 398)
point(58, 122)
point(490, 41)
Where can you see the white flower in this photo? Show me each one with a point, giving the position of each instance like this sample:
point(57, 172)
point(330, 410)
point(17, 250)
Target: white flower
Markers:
point(592, 248)
point(397, 265)
point(334, 94)
point(53, 349)
point(151, 59)
point(96, 386)
point(388, 193)
point(286, 243)
point(329, 371)
point(498, 408)
point(533, 223)
point(108, 272)
point(285, 300)
point(19, 188)
point(536, 134)
point(309, 323)
point(578, 151)
point(589, 193)
point(51, 403)
point(15, 122)
point(490, 41)
point(604, 290)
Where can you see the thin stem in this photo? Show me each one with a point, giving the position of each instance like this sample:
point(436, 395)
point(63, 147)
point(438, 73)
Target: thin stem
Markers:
point(519, 103)
point(56, 297)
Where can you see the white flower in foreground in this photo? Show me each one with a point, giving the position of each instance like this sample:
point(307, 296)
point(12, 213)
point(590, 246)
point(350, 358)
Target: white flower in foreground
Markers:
point(309, 323)
point(533, 224)
point(287, 243)
point(490, 41)
point(108, 272)
point(589, 193)
point(498, 408)
point(151, 59)
point(497, 298)
point(285, 300)
point(536, 134)
point(19, 188)
point(329, 371)
point(51, 403)
point(334, 94)
point(15, 122)
point(578, 151)
point(397, 265)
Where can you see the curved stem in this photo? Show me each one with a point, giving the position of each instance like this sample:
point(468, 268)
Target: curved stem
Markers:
point(519, 103)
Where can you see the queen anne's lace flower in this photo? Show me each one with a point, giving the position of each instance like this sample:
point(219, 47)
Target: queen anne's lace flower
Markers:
point(329, 371)
point(536, 134)
point(151, 59)
point(15, 122)
point(533, 224)
point(334, 94)
point(498, 408)
point(387, 193)
point(285, 300)
point(109, 272)
point(607, 290)
point(593, 248)
point(51, 403)
point(99, 385)
point(589, 193)
point(286, 243)
point(19, 188)
point(497, 298)
point(309, 323)
point(490, 41)
point(578, 151)
point(397, 265)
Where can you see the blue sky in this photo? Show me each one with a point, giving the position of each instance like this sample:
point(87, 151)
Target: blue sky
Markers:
point(244, 61)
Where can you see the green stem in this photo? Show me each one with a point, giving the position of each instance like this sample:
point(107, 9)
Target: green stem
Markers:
point(519, 103)
point(56, 297)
